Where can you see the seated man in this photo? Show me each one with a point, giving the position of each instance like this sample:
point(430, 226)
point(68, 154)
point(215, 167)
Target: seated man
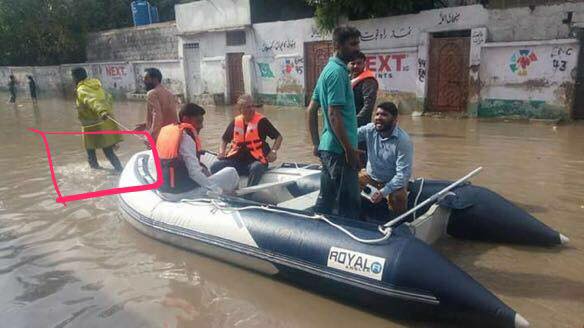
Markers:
point(389, 158)
point(178, 147)
point(249, 153)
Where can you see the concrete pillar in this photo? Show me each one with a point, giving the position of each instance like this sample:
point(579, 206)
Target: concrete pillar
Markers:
point(478, 37)
point(248, 74)
point(422, 73)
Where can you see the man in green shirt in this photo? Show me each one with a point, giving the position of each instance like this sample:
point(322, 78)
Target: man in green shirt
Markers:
point(337, 147)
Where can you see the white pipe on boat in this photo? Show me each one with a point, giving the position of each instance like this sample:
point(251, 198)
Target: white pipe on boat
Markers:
point(434, 197)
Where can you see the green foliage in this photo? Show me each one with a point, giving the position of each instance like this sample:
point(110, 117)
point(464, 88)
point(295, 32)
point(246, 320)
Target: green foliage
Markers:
point(328, 12)
point(49, 32)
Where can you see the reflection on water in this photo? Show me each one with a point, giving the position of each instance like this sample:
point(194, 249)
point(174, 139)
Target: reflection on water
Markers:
point(82, 265)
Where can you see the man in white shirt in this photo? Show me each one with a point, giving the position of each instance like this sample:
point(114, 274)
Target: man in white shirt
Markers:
point(179, 147)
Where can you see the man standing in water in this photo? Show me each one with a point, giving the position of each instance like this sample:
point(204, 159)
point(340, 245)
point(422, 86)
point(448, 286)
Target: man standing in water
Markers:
point(337, 147)
point(161, 104)
point(94, 109)
point(12, 89)
point(32, 88)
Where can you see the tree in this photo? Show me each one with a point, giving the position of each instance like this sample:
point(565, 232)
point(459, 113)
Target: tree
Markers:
point(328, 12)
point(50, 32)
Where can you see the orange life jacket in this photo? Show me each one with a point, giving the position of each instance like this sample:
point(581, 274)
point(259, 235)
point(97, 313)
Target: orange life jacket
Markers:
point(249, 138)
point(366, 74)
point(174, 170)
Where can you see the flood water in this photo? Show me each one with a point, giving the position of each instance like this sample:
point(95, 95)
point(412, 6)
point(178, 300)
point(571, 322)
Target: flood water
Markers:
point(83, 266)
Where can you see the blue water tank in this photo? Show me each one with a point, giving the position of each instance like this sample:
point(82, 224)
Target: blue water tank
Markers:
point(154, 15)
point(141, 12)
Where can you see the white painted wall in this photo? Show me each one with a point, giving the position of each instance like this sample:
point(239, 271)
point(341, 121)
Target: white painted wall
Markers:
point(395, 69)
point(389, 42)
point(214, 75)
point(279, 55)
point(48, 78)
point(552, 64)
point(407, 30)
point(172, 74)
point(207, 15)
point(117, 76)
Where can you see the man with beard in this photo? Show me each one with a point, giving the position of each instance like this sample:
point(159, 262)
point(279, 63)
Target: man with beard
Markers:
point(337, 147)
point(389, 158)
point(161, 104)
point(365, 88)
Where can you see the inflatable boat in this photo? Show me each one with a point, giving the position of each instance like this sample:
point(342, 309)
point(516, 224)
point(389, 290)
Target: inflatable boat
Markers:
point(392, 270)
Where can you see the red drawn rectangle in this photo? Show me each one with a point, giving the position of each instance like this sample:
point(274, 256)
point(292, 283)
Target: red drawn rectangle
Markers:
point(108, 192)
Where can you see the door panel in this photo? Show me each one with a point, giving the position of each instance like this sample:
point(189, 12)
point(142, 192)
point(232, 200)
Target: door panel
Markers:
point(448, 74)
point(193, 68)
point(316, 55)
point(236, 86)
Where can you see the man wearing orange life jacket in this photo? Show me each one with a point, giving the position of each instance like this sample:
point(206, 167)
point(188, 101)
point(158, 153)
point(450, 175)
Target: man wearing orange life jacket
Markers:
point(249, 152)
point(179, 146)
point(365, 88)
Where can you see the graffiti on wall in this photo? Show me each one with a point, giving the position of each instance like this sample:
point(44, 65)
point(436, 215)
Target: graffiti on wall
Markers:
point(478, 37)
point(291, 75)
point(385, 65)
point(265, 71)
point(449, 18)
point(116, 72)
point(383, 34)
point(521, 60)
point(394, 71)
point(560, 56)
point(421, 70)
point(316, 34)
point(278, 45)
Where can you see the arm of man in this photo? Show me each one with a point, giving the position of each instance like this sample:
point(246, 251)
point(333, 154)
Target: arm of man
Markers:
point(403, 168)
point(188, 152)
point(369, 98)
point(336, 121)
point(312, 122)
point(225, 140)
point(362, 133)
point(268, 129)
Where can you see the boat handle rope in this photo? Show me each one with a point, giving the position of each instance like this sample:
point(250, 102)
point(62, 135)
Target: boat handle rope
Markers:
point(385, 229)
point(224, 208)
point(126, 128)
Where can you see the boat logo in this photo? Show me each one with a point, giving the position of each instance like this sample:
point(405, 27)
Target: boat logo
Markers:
point(376, 267)
point(357, 263)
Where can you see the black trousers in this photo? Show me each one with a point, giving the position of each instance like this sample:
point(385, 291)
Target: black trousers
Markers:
point(109, 153)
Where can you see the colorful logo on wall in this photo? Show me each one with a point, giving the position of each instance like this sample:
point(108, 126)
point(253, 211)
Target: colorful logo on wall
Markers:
point(265, 70)
point(521, 60)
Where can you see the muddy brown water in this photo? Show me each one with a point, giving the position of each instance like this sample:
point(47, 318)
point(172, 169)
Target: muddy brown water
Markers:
point(83, 266)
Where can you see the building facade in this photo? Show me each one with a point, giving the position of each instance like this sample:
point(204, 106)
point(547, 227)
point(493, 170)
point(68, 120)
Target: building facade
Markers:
point(517, 62)
point(507, 60)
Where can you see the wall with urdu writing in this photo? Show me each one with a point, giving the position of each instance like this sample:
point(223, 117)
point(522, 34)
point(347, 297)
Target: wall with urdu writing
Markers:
point(279, 60)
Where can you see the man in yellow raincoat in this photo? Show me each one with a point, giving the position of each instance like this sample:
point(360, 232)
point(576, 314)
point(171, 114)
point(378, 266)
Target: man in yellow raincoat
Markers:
point(94, 109)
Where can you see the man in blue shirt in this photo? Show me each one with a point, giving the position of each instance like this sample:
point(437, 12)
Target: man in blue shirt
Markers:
point(337, 147)
point(389, 158)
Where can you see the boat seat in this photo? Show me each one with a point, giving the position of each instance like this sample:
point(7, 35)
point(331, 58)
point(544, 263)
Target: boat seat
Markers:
point(301, 203)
